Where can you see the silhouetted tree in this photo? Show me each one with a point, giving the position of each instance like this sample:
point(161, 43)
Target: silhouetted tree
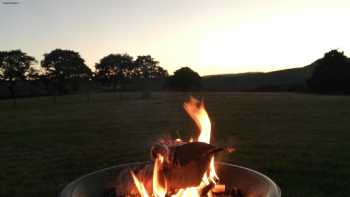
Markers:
point(148, 68)
point(1, 69)
point(331, 74)
point(116, 69)
point(15, 65)
point(33, 74)
point(63, 67)
point(185, 79)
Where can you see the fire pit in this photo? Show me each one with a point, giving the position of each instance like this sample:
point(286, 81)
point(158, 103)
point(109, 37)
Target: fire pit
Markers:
point(103, 182)
point(178, 169)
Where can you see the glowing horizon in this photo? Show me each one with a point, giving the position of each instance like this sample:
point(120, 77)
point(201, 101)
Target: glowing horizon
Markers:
point(211, 38)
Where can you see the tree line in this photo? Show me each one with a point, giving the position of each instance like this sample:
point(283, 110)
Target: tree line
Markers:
point(331, 74)
point(61, 71)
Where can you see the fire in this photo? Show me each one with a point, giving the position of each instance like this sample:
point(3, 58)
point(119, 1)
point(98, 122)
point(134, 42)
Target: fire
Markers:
point(188, 192)
point(139, 185)
point(197, 112)
point(159, 190)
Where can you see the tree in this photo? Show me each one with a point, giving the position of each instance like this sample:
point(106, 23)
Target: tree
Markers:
point(185, 79)
point(1, 69)
point(148, 68)
point(331, 74)
point(63, 68)
point(116, 69)
point(15, 65)
point(33, 74)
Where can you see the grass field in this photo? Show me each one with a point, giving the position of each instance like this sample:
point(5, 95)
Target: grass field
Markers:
point(300, 141)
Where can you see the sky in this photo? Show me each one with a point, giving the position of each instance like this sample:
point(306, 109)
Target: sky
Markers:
point(210, 36)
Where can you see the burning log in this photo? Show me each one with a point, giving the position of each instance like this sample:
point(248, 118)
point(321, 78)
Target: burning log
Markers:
point(184, 153)
point(186, 163)
point(207, 189)
point(218, 190)
point(187, 169)
point(222, 190)
point(184, 166)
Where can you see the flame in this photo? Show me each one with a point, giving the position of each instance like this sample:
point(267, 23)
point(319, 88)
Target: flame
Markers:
point(197, 112)
point(212, 173)
point(139, 185)
point(158, 189)
point(199, 115)
point(188, 192)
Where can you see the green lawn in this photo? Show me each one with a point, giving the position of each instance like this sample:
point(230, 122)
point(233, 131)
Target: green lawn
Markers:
point(300, 141)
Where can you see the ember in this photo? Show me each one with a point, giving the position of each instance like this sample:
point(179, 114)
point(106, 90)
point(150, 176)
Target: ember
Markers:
point(180, 169)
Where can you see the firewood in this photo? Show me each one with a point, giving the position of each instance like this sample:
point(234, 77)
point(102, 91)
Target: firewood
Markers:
point(219, 188)
point(184, 166)
point(191, 152)
point(222, 190)
point(186, 163)
point(206, 189)
point(182, 154)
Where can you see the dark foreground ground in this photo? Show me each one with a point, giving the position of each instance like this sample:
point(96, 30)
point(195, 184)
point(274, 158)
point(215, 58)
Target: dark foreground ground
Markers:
point(300, 141)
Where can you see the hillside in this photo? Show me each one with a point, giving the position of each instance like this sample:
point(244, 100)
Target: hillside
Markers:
point(282, 80)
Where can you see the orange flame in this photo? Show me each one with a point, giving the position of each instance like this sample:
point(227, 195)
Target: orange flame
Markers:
point(139, 185)
point(188, 192)
point(158, 189)
point(197, 112)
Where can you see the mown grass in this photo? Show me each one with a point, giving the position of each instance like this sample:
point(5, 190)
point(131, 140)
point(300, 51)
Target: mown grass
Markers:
point(300, 141)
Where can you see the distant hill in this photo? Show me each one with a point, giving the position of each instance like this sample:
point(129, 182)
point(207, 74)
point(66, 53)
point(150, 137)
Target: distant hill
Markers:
point(282, 80)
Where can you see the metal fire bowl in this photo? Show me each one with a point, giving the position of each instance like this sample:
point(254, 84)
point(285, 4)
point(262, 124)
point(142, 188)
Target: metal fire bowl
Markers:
point(250, 182)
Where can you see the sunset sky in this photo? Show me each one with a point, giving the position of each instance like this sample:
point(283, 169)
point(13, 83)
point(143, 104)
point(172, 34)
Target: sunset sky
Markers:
point(212, 37)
